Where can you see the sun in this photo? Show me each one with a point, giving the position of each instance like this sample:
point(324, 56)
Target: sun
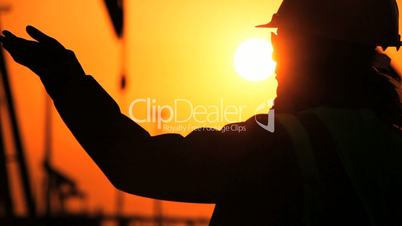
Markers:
point(253, 60)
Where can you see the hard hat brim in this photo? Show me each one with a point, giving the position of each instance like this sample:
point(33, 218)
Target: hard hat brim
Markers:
point(268, 25)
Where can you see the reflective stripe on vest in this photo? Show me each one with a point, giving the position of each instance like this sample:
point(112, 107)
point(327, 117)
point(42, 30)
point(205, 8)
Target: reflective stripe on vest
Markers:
point(303, 148)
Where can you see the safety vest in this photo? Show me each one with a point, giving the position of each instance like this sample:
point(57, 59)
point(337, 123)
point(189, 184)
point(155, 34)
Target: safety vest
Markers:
point(369, 152)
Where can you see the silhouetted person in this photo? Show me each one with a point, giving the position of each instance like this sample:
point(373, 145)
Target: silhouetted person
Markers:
point(334, 159)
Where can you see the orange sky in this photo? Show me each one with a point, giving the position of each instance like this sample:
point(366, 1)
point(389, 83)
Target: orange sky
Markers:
point(175, 49)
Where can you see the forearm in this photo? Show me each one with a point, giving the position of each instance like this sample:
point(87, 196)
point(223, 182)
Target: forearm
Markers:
point(168, 167)
point(89, 111)
point(95, 120)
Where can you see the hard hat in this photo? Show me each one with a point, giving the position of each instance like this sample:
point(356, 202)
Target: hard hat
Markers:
point(373, 22)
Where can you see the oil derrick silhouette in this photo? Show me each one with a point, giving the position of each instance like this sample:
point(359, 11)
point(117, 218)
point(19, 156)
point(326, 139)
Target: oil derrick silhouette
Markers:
point(16, 182)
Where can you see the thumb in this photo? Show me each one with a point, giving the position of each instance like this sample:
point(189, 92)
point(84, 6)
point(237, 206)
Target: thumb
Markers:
point(41, 37)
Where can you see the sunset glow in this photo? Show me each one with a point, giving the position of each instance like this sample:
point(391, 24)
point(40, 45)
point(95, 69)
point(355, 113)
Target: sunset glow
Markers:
point(253, 60)
point(203, 53)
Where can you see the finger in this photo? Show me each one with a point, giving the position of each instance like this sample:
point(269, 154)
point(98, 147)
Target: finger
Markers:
point(19, 48)
point(10, 38)
point(2, 39)
point(40, 36)
point(5, 40)
point(8, 34)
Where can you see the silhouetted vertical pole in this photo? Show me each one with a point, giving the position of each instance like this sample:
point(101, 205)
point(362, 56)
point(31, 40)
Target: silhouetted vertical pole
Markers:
point(20, 155)
point(122, 87)
point(6, 204)
point(115, 9)
point(158, 214)
point(48, 155)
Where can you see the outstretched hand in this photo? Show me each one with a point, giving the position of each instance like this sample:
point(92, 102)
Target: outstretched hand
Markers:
point(45, 56)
